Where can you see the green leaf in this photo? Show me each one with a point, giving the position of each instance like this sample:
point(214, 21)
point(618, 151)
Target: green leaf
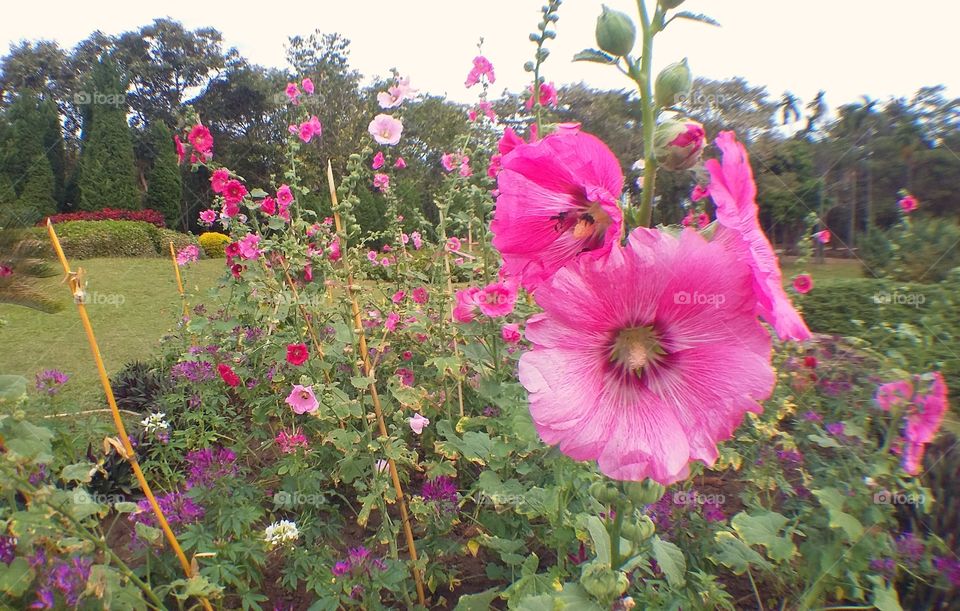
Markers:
point(78, 472)
point(125, 507)
point(885, 597)
point(16, 578)
point(671, 561)
point(477, 602)
point(824, 442)
point(601, 539)
point(594, 55)
point(258, 193)
point(575, 598)
point(736, 555)
point(764, 529)
point(850, 525)
point(149, 533)
point(697, 17)
point(360, 382)
point(29, 442)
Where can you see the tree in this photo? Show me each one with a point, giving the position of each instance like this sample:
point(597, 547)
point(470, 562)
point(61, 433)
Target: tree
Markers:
point(164, 187)
point(53, 146)
point(107, 171)
point(29, 179)
point(36, 198)
point(789, 108)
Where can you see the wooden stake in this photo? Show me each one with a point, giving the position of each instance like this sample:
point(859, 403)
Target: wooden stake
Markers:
point(369, 372)
point(176, 269)
point(76, 288)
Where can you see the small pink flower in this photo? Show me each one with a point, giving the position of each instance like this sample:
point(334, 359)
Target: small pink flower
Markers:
point(481, 67)
point(511, 333)
point(289, 442)
point(803, 283)
point(822, 236)
point(417, 241)
point(201, 139)
point(284, 195)
point(307, 85)
point(398, 296)
point(703, 219)
point(310, 129)
point(293, 92)
point(248, 246)
point(385, 129)
point(487, 109)
point(497, 299)
point(178, 147)
point(418, 423)
point(908, 204)
point(420, 295)
point(449, 161)
point(385, 262)
point(406, 377)
point(334, 249)
point(399, 163)
point(407, 355)
point(894, 394)
point(687, 220)
point(188, 254)
point(268, 206)
point(393, 319)
point(548, 95)
point(230, 209)
point(372, 256)
point(395, 95)
point(453, 244)
point(699, 192)
point(218, 180)
point(302, 399)
point(207, 217)
point(378, 161)
point(465, 170)
point(466, 304)
point(381, 182)
point(234, 191)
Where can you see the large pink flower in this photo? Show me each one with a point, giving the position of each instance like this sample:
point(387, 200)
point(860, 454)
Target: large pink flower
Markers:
point(558, 198)
point(385, 129)
point(644, 359)
point(734, 192)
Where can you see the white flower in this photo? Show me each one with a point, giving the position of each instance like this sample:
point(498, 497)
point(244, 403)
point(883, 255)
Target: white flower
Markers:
point(155, 422)
point(281, 532)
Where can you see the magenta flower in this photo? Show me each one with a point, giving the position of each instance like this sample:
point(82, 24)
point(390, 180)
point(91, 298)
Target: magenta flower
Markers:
point(284, 195)
point(207, 217)
point(923, 420)
point(406, 376)
point(398, 296)
point(734, 193)
point(201, 139)
point(558, 199)
point(511, 333)
point(699, 192)
point(188, 254)
point(420, 295)
point(268, 206)
point(454, 244)
point(385, 129)
point(234, 192)
point(248, 246)
point(381, 182)
point(293, 92)
point(497, 299)
point(302, 399)
point(307, 85)
point(289, 442)
point(378, 161)
point(310, 129)
point(908, 204)
point(894, 394)
point(218, 180)
point(803, 283)
point(481, 68)
point(418, 423)
point(548, 95)
point(647, 358)
point(417, 240)
point(466, 304)
point(393, 319)
point(822, 236)
point(399, 163)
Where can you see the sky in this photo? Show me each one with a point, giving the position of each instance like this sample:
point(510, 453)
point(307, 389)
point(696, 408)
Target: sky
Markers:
point(880, 48)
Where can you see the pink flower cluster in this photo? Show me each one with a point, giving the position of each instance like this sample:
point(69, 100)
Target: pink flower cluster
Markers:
point(395, 95)
point(922, 402)
point(481, 68)
point(494, 300)
point(450, 161)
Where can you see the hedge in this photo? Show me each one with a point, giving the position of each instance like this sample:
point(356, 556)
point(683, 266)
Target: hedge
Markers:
point(88, 239)
point(108, 214)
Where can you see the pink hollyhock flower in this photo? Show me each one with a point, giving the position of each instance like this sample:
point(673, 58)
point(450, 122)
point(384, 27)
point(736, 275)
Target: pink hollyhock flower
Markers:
point(558, 199)
point(511, 333)
point(334, 250)
point(687, 220)
point(497, 299)
point(803, 283)
point(268, 206)
point(908, 204)
point(822, 236)
point(293, 92)
point(395, 95)
point(418, 423)
point(381, 182)
point(248, 246)
point(449, 161)
point(481, 67)
point(385, 129)
point(188, 254)
point(232, 250)
point(307, 85)
point(465, 304)
point(734, 192)
point(297, 354)
point(406, 376)
point(486, 108)
point(230, 209)
point(496, 164)
point(628, 370)
point(372, 256)
point(420, 295)
point(399, 163)
point(924, 418)
point(236, 270)
point(454, 244)
point(284, 195)
point(302, 399)
point(417, 240)
point(398, 297)
point(699, 192)
point(310, 129)
point(465, 170)
point(894, 394)
point(207, 217)
point(378, 161)
point(472, 115)
point(234, 191)
point(178, 147)
point(218, 180)
point(289, 442)
point(229, 377)
point(5, 271)
point(385, 261)
point(308, 272)
point(703, 219)
point(548, 95)
point(201, 139)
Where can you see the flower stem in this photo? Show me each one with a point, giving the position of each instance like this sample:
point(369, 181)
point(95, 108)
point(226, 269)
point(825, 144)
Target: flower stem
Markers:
point(644, 84)
point(615, 537)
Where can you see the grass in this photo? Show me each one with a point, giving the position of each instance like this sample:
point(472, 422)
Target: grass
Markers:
point(131, 304)
point(830, 269)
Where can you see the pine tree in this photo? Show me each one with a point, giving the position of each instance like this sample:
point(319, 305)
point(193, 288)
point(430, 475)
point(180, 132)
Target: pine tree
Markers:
point(36, 198)
point(164, 187)
point(107, 171)
point(28, 184)
point(54, 147)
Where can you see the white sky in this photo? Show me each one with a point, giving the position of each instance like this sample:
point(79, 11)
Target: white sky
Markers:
point(848, 47)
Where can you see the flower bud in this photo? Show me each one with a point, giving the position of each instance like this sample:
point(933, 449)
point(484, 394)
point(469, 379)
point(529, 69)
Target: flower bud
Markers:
point(616, 33)
point(602, 582)
point(645, 492)
point(679, 144)
point(669, 4)
point(672, 82)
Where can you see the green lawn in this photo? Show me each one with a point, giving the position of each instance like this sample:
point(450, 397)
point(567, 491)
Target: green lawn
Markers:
point(830, 269)
point(131, 303)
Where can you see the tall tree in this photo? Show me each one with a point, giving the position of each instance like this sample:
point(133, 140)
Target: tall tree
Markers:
point(164, 187)
point(26, 165)
point(107, 171)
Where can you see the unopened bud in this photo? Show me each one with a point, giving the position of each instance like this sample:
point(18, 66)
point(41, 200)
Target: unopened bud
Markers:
point(679, 144)
point(616, 33)
point(673, 81)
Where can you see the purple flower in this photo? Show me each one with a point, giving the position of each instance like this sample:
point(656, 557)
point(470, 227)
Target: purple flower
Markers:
point(910, 547)
point(713, 513)
point(835, 428)
point(356, 592)
point(176, 506)
point(38, 476)
point(442, 491)
point(357, 555)
point(45, 599)
point(210, 465)
point(491, 411)
point(949, 567)
point(790, 456)
point(340, 568)
point(50, 381)
point(883, 565)
point(193, 371)
point(8, 549)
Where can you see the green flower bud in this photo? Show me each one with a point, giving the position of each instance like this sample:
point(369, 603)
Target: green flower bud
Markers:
point(673, 81)
point(678, 145)
point(645, 492)
point(616, 33)
point(669, 4)
point(602, 582)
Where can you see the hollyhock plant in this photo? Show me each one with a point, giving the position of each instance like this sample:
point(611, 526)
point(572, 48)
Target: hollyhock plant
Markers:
point(302, 400)
point(420, 295)
point(218, 179)
point(284, 195)
point(293, 93)
point(399, 163)
point(188, 254)
point(548, 96)
point(307, 85)
point(234, 191)
point(381, 182)
point(822, 236)
point(395, 95)
point(511, 333)
point(208, 217)
point(923, 419)
point(734, 192)
point(248, 246)
point(465, 304)
point(679, 144)
point(297, 354)
point(385, 129)
point(481, 68)
point(201, 139)
point(497, 299)
point(178, 148)
point(558, 200)
point(308, 130)
point(618, 371)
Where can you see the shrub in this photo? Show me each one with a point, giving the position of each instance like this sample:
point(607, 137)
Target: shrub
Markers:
point(86, 239)
point(139, 387)
point(214, 244)
point(180, 240)
point(108, 214)
point(919, 250)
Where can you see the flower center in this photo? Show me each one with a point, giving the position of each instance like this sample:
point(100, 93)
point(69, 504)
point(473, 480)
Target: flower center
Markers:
point(635, 348)
point(591, 223)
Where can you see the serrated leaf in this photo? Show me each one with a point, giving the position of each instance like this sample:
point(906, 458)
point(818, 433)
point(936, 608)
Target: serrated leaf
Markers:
point(697, 17)
point(361, 382)
point(764, 529)
point(594, 55)
point(671, 561)
point(148, 533)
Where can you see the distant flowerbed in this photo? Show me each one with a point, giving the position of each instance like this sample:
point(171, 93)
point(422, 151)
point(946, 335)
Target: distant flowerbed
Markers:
point(108, 214)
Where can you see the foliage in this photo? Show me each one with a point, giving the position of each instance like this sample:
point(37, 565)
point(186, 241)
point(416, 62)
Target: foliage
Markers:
point(921, 249)
point(109, 214)
point(164, 187)
point(86, 239)
point(214, 243)
point(24, 255)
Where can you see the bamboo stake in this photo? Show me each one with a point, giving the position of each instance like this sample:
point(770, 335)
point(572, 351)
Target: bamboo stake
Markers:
point(446, 267)
point(368, 372)
point(302, 308)
point(176, 269)
point(76, 288)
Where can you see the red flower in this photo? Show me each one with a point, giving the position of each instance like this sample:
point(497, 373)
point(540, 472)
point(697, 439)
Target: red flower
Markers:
point(297, 354)
point(227, 374)
point(810, 361)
